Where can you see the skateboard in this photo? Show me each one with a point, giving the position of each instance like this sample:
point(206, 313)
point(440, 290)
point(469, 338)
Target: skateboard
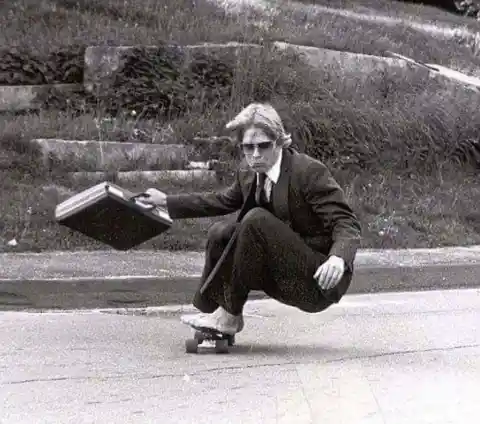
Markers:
point(222, 341)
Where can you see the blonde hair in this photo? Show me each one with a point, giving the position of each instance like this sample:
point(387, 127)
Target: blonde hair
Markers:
point(263, 116)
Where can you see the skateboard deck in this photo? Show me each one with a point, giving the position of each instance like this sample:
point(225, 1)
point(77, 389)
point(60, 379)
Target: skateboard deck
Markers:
point(221, 341)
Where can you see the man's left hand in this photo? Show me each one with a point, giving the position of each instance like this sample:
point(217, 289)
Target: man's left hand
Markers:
point(330, 273)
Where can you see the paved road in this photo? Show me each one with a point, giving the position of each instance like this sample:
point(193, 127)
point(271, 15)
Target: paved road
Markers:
point(389, 358)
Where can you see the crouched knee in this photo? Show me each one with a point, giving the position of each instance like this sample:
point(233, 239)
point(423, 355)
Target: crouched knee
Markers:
point(220, 232)
point(256, 217)
point(315, 308)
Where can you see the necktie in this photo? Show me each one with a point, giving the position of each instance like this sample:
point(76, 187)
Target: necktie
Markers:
point(260, 197)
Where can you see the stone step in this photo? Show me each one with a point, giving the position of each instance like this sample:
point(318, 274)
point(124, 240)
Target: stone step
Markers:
point(346, 62)
point(155, 177)
point(19, 98)
point(354, 66)
point(91, 155)
point(212, 165)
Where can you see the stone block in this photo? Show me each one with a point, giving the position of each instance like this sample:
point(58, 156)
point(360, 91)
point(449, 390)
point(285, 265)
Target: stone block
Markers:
point(350, 62)
point(154, 177)
point(18, 98)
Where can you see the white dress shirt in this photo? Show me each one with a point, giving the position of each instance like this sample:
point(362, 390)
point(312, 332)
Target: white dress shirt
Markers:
point(272, 176)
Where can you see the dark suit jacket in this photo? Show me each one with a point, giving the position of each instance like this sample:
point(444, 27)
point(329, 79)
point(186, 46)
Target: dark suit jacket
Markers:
point(306, 197)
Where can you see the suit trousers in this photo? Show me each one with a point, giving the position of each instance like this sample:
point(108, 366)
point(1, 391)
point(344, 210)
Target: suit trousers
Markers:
point(267, 256)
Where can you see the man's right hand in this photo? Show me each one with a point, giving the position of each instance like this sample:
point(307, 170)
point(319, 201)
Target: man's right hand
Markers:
point(154, 197)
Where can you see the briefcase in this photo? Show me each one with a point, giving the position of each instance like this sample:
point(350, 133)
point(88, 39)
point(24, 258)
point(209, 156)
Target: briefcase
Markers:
point(112, 215)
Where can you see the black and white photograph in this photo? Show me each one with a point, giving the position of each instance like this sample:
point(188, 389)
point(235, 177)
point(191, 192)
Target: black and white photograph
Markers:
point(239, 211)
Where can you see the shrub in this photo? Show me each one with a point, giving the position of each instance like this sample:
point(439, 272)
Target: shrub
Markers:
point(158, 82)
point(20, 66)
point(468, 7)
point(20, 156)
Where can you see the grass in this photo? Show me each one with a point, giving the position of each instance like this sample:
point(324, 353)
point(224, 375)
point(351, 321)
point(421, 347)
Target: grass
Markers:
point(333, 31)
point(404, 211)
point(28, 23)
point(396, 142)
point(408, 10)
point(110, 22)
point(88, 126)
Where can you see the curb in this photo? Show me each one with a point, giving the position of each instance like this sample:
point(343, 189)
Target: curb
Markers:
point(119, 292)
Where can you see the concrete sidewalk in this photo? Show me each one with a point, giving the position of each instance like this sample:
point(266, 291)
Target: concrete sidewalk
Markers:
point(391, 358)
point(71, 280)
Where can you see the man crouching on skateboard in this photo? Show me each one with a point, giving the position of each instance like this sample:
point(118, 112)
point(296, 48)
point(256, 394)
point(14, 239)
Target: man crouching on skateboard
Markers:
point(295, 237)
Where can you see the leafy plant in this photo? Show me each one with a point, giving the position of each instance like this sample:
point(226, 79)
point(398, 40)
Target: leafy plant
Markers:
point(21, 66)
point(164, 82)
point(468, 8)
point(467, 152)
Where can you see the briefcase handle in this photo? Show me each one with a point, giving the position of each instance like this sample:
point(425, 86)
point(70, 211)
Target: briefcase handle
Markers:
point(142, 194)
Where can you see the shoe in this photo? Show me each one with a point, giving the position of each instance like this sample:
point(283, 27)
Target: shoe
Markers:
point(226, 324)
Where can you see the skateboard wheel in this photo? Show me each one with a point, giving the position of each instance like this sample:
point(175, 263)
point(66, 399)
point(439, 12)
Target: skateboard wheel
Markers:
point(231, 340)
point(199, 336)
point(191, 346)
point(221, 346)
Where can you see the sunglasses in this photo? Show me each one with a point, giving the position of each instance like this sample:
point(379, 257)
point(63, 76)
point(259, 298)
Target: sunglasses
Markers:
point(250, 147)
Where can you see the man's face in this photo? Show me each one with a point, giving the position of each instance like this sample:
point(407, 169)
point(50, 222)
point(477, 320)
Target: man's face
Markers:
point(260, 151)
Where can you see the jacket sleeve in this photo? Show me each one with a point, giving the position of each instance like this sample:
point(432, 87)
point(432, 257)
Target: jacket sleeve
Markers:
point(199, 205)
point(328, 201)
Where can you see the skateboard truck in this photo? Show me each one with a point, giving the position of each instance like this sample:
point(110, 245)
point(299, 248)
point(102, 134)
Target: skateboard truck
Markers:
point(222, 341)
